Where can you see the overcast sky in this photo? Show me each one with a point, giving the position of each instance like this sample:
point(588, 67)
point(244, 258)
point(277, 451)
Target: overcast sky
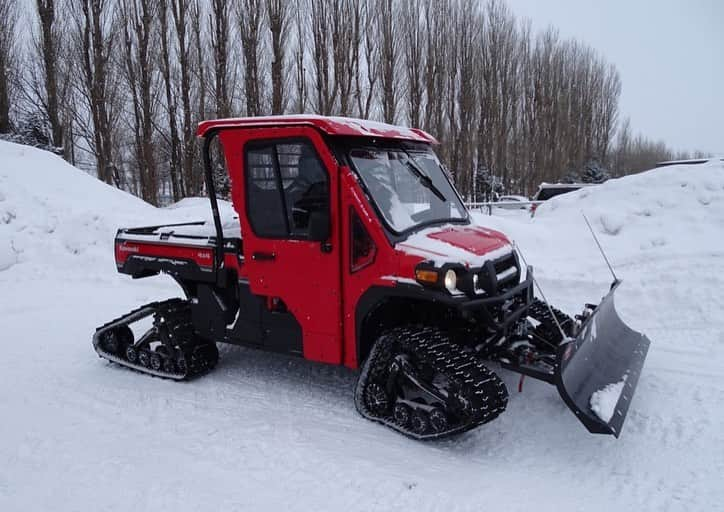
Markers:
point(670, 54)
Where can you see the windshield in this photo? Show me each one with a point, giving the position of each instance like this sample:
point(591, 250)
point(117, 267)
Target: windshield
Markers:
point(408, 186)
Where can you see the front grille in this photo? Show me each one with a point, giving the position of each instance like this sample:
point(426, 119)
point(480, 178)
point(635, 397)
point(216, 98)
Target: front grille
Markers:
point(506, 272)
point(497, 276)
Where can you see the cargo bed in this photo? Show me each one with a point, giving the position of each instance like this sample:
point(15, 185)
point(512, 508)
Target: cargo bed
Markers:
point(185, 250)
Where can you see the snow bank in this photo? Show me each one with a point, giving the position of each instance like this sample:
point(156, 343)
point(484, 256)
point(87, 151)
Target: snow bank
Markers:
point(665, 213)
point(55, 215)
point(665, 210)
point(50, 210)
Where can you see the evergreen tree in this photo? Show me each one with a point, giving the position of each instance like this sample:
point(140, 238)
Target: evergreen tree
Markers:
point(594, 172)
point(32, 130)
point(487, 185)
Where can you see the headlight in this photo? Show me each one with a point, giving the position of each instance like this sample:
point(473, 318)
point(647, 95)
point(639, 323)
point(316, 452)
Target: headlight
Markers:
point(451, 280)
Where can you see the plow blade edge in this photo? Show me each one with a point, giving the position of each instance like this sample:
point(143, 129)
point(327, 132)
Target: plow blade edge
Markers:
point(599, 369)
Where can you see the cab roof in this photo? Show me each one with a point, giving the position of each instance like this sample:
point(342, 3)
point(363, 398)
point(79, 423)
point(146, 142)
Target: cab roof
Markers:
point(345, 126)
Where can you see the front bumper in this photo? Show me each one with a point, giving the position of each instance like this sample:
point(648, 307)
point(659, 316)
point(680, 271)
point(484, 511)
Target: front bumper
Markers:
point(499, 310)
point(505, 308)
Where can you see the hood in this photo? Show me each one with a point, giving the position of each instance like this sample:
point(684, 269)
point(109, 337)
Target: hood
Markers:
point(469, 245)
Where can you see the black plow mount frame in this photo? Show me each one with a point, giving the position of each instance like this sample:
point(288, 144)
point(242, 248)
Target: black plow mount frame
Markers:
point(605, 352)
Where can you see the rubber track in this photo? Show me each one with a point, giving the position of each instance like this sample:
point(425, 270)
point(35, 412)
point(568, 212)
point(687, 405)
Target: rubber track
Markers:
point(200, 357)
point(484, 390)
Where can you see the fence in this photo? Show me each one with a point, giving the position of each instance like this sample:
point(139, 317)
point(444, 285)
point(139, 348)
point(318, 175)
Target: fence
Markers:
point(506, 205)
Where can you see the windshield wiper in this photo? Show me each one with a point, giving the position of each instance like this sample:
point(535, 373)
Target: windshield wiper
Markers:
point(423, 178)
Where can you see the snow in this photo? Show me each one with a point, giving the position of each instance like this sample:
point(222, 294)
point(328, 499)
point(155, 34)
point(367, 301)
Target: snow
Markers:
point(376, 127)
point(269, 432)
point(353, 126)
point(603, 401)
point(441, 252)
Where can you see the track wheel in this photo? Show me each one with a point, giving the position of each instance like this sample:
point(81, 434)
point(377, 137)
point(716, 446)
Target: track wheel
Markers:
point(402, 414)
point(377, 400)
point(156, 361)
point(181, 364)
point(169, 366)
point(438, 420)
point(132, 354)
point(420, 422)
point(116, 340)
point(144, 358)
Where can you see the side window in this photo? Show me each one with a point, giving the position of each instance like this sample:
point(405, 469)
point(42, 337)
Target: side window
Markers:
point(264, 196)
point(286, 184)
point(363, 248)
point(306, 187)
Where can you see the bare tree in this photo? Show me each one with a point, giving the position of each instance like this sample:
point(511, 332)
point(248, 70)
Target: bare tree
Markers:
point(463, 93)
point(95, 29)
point(300, 74)
point(8, 22)
point(521, 106)
point(346, 17)
point(140, 38)
point(278, 15)
point(181, 11)
point(198, 75)
point(436, 18)
point(389, 53)
point(173, 139)
point(250, 16)
point(366, 92)
point(200, 59)
point(414, 54)
point(45, 88)
point(324, 88)
point(220, 36)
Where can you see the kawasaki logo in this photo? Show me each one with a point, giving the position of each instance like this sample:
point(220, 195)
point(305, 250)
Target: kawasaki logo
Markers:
point(128, 248)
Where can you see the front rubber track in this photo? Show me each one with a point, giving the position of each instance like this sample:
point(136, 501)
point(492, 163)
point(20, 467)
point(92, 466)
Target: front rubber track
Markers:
point(468, 378)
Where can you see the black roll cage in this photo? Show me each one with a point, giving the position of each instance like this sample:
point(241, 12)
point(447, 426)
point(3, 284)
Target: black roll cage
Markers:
point(211, 191)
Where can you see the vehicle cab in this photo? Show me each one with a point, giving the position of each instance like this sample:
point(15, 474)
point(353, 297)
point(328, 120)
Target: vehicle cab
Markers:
point(347, 225)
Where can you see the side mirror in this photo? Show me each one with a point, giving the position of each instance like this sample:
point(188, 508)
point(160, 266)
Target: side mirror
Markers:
point(319, 229)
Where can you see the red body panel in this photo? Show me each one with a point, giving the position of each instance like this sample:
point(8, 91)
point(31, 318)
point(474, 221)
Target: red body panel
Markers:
point(203, 257)
point(469, 239)
point(357, 283)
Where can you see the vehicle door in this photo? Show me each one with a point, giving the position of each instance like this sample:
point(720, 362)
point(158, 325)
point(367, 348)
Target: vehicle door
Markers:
point(285, 192)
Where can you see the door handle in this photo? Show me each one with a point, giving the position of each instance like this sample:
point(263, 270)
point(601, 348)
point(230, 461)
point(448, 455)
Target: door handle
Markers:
point(263, 256)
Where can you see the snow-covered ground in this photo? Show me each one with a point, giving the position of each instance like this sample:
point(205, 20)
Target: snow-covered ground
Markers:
point(268, 432)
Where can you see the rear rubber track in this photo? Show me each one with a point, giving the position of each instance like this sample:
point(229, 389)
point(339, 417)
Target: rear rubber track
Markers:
point(182, 353)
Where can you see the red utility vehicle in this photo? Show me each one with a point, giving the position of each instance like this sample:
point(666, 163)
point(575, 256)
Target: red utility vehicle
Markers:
point(353, 248)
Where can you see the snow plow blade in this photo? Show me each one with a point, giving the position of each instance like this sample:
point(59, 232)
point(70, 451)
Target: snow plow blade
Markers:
point(599, 369)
